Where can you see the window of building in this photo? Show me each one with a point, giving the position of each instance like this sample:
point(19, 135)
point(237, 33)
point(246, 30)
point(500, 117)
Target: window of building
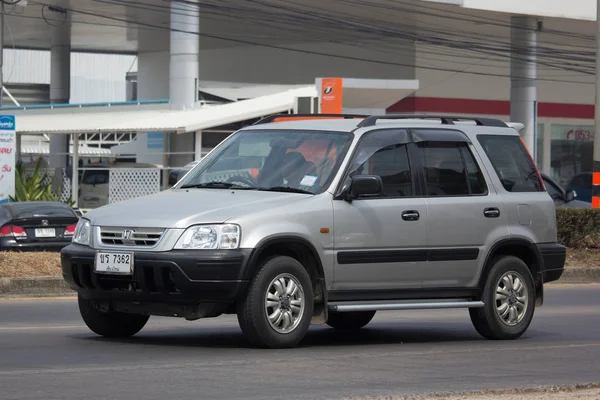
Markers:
point(512, 163)
point(450, 170)
point(571, 151)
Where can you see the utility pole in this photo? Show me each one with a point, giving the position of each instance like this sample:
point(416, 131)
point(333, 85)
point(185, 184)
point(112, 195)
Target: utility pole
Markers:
point(596, 163)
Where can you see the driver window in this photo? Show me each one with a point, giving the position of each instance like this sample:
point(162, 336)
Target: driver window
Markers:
point(385, 154)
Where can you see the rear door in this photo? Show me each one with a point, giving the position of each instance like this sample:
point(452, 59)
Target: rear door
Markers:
point(380, 242)
point(465, 214)
point(530, 211)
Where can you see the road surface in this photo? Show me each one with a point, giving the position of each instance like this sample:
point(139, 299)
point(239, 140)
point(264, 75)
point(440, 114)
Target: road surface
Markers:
point(47, 353)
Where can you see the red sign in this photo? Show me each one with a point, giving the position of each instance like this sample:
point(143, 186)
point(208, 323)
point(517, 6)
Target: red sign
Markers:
point(331, 96)
point(5, 150)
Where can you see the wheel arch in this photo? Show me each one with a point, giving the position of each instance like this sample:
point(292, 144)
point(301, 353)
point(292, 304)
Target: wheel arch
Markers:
point(304, 252)
point(523, 249)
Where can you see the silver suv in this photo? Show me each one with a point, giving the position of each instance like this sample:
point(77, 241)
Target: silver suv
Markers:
point(300, 220)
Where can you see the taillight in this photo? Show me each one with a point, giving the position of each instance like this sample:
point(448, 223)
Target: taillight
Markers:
point(13, 231)
point(69, 230)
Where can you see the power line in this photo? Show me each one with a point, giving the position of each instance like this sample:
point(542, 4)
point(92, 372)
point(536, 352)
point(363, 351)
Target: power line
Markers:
point(460, 46)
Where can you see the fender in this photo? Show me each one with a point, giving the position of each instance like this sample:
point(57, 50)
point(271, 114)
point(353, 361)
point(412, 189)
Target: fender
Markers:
point(319, 286)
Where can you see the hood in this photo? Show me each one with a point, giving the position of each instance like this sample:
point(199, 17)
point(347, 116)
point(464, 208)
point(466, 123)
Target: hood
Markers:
point(180, 208)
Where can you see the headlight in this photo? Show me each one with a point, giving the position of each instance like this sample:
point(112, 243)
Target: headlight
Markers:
point(210, 237)
point(82, 232)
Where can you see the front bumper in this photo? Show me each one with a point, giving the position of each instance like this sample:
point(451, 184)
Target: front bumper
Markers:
point(177, 277)
point(553, 261)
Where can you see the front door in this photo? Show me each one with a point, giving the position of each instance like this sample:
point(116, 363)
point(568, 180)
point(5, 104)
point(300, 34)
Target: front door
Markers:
point(380, 242)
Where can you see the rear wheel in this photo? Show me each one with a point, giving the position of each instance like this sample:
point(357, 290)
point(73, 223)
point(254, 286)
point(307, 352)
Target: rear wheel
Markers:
point(509, 297)
point(110, 324)
point(278, 306)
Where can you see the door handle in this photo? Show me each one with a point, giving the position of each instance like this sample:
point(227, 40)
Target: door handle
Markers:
point(491, 212)
point(411, 215)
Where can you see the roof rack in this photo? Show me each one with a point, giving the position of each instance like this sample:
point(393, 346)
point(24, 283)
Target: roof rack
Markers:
point(304, 117)
point(445, 119)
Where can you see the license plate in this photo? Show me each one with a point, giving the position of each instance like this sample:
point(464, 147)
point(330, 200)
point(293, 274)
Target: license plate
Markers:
point(114, 263)
point(45, 232)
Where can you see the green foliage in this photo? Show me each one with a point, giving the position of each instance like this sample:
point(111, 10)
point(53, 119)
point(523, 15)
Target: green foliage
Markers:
point(34, 187)
point(578, 228)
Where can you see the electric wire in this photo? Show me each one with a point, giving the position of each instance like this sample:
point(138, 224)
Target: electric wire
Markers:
point(549, 60)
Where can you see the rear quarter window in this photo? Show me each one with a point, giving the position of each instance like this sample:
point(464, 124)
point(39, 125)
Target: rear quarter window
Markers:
point(512, 163)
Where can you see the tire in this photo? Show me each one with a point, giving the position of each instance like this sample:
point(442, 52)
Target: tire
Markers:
point(110, 324)
point(295, 314)
point(487, 320)
point(350, 320)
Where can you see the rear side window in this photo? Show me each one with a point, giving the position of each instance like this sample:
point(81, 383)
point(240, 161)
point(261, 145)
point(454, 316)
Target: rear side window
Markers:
point(450, 170)
point(512, 163)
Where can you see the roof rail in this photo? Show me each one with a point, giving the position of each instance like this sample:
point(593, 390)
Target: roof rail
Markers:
point(304, 117)
point(445, 119)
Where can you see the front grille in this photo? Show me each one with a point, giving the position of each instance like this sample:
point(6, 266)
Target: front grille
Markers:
point(148, 279)
point(139, 237)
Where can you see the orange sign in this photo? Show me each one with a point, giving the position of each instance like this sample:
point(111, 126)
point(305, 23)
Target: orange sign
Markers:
point(331, 96)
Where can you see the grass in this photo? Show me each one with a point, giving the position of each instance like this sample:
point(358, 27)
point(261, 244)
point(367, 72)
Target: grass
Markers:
point(30, 264)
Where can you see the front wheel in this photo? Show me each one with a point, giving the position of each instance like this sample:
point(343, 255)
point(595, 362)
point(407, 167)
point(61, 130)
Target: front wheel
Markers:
point(110, 324)
point(509, 298)
point(278, 306)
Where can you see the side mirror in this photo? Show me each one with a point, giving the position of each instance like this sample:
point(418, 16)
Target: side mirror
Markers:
point(365, 186)
point(570, 195)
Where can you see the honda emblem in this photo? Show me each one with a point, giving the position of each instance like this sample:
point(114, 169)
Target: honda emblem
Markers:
point(127, 234)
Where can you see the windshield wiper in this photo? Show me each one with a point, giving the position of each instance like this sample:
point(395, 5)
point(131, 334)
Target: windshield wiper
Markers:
point(214, 185)
point(285, 189)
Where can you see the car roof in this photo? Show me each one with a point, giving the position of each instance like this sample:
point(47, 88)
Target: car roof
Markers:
point(470, 125)
point(14, 208)
point(335, 125)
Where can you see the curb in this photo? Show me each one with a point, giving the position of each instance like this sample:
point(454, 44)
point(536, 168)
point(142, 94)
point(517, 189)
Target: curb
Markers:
point(57, 287)
point(580, 275)
point(34, 287)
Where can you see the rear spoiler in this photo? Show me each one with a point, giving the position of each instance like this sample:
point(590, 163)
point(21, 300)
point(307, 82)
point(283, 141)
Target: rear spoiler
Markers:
point(516, 125)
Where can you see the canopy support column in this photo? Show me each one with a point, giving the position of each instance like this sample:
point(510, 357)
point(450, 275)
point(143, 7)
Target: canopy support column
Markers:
point(75, 178)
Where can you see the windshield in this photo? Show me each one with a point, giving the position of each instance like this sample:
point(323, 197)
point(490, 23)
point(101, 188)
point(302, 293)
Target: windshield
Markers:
point(277, 160)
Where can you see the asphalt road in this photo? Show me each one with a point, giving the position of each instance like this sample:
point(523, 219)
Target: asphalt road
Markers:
point(47, 353)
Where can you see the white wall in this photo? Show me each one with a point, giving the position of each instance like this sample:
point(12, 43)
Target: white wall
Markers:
point(576, 9)
point(94, 77)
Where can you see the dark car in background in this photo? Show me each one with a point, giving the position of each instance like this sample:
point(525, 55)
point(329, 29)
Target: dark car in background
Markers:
point(563, 197)
point(36, 226)
point(582, 184)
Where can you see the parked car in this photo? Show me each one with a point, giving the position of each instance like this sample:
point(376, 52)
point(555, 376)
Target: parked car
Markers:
point(176, 174)
point(314, 221)
point(582, 184)
point(36, 225)
point(94, 184)
point(562, 197)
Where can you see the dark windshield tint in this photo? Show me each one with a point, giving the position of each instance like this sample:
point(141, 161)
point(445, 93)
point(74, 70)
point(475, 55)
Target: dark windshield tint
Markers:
point(302, 160)
point(32, 209)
